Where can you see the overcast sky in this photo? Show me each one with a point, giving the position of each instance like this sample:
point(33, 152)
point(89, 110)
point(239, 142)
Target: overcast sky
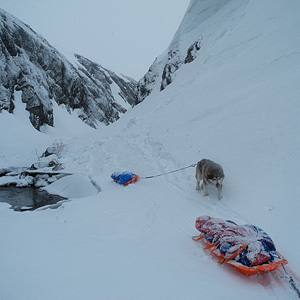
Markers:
point(124, 36)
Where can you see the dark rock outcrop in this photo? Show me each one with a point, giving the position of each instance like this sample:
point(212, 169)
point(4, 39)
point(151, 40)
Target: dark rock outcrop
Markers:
point(192, 52)
point(173, 64)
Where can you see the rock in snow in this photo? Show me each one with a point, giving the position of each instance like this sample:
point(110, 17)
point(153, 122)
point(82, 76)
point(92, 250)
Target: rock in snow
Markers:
point(28, 63)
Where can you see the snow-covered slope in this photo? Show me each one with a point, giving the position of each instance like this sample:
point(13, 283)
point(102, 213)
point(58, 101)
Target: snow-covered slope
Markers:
point(213, 30)
point(237, 103)
point(28, 63)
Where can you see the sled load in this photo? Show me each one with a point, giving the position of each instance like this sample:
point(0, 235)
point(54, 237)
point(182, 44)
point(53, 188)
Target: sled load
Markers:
point(247, 248)
point(124, 178)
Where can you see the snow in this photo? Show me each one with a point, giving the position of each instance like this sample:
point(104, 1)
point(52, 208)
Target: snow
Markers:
point(66, 122)
point(74, 186)
point(115, 92)
point(236, 104)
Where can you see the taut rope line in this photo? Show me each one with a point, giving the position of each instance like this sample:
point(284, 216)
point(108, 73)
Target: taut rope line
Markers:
point(146, 177)
point(288, 278)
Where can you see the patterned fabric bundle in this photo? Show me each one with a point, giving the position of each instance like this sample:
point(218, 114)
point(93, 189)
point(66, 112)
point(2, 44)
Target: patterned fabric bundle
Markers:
point(246, 244)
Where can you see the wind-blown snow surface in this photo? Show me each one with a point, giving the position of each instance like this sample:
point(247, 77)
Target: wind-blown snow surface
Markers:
point(237, 104)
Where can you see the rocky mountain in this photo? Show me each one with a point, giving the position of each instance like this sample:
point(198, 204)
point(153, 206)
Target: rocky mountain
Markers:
point(183, 49)
point(28, 63)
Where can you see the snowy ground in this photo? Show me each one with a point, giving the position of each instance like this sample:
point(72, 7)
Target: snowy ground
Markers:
point(135, 242)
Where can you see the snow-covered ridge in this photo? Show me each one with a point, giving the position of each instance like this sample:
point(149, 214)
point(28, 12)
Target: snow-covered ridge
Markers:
point(30, 64)
point(196, 14)
point(194, 38)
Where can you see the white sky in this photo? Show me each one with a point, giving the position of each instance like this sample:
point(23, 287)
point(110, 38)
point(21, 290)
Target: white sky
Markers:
point(124, 36)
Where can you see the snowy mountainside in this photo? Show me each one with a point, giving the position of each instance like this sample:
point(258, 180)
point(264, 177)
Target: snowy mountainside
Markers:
point(183, 48)
point(237, 103)
point(31, 65)
point(194, 38)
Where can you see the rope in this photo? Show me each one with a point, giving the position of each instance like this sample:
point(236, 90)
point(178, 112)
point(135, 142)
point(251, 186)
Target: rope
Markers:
point(288, 278)
point(147, 177)
point(292, 282)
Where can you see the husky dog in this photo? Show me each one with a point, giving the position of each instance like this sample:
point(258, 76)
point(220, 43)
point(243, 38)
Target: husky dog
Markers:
point(211, 173)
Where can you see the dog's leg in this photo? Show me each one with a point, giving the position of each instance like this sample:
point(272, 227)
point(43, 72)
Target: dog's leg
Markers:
point(198, 185)
point(205, 188)
point(220, 192)
point(198, 177)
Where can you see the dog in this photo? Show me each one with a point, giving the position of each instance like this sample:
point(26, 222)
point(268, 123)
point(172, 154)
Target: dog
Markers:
point(211, 173)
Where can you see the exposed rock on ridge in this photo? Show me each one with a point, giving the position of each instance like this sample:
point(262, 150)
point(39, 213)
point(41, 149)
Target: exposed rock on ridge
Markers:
point(162, 71)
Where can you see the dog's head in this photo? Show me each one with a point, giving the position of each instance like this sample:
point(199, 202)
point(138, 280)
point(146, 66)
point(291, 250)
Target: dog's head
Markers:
point(215, 179)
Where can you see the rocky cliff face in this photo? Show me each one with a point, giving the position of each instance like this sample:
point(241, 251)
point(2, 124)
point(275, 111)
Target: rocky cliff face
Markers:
point(28, 63)
point(162, 71)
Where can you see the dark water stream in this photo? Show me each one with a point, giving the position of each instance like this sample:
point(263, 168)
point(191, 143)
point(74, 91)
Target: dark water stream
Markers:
point(27, 198)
